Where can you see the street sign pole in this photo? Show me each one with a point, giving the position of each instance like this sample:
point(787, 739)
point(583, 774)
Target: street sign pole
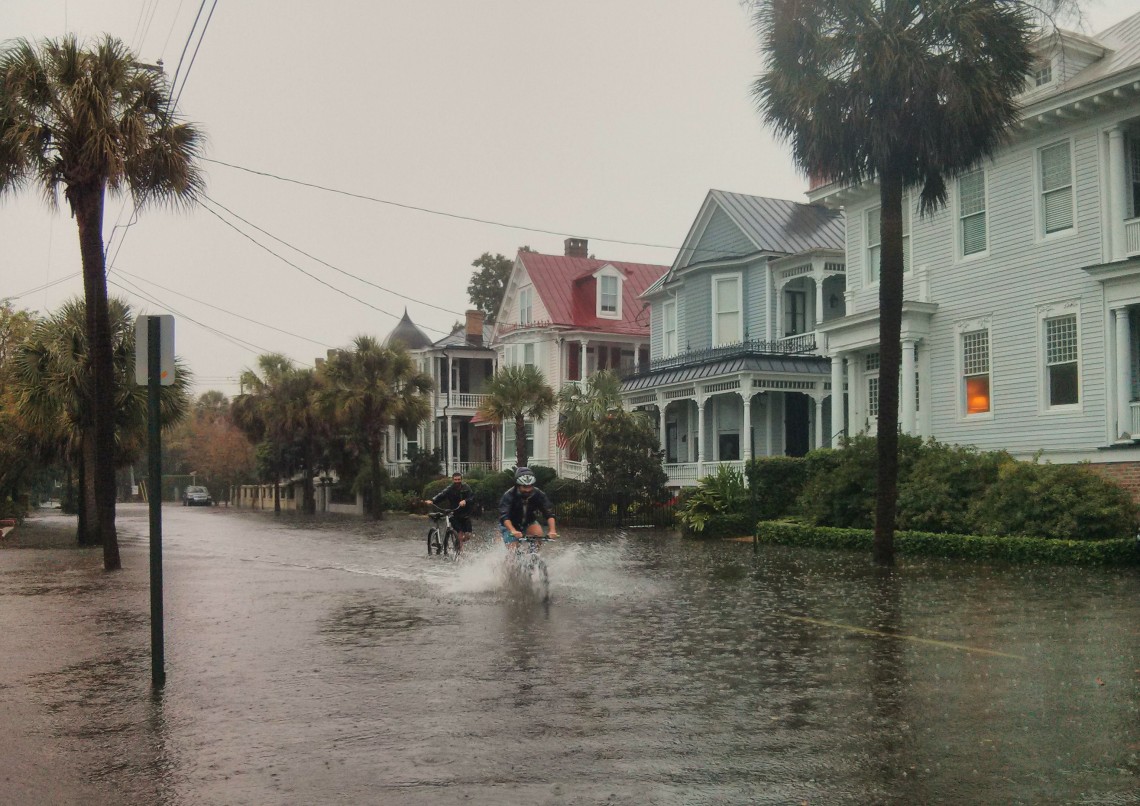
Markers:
point(154, 496)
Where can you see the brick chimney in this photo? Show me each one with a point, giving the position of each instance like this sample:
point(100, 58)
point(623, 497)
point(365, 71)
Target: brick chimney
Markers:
point(577, 247)
point(475, 327)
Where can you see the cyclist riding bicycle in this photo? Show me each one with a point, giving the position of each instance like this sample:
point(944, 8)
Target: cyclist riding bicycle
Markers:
point(520, 508)
point(458, 497)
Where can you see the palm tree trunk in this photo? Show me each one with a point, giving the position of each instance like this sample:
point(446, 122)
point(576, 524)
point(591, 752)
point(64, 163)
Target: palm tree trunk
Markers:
point(520, 441)
point(890, 358)
point(88, 515)
point(374, 467)
point(87, 204)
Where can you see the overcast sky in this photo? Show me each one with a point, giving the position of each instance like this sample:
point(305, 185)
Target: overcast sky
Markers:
point(604, 119)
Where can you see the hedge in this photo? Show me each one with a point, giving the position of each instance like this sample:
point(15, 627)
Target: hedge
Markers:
point(1116, 552)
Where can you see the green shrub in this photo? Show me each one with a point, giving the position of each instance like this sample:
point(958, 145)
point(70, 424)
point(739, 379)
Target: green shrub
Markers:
point(1118, 552)
point(1067, 502)
point(719, 494)
point(774, 484)
point(397, 501)
point(720, 525)
point(936, 492)
point(840, 486)
point(561, 489)
point(489, 489)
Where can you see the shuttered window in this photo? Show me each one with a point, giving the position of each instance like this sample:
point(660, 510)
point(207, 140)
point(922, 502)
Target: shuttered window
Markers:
point(1057, 187)
point(874, 252)
point(972, 212)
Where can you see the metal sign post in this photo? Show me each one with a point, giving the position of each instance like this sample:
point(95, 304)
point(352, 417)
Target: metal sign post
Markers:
point(157, 334)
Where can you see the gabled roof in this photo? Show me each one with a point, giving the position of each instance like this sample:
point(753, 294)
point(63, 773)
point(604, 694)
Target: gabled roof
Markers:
point(408, 334)
point(458, 339)
point(568, 290)
point(1122, 41)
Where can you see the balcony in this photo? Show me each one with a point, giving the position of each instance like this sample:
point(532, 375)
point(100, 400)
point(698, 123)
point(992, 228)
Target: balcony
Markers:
point(536, 324)
point(801, 344)
point(459, 400)
point(1132, 237)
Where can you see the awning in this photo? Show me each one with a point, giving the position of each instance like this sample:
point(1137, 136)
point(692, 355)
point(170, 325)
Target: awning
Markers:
point(763, 364)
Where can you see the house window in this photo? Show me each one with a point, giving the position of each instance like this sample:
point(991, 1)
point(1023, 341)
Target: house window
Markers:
point(727, 304)
point(669, 329)
point(976, 371)
point(1134, 173)
point(608, 295)
point(411, 443)
point(1062, 364)
point(873, 396)
point(874, 241)
point(795, 312)
point(1043, 74)
point(1056, 187)
point(509, 441)
point(972, 212)
point(524, 306)
point(519, 354)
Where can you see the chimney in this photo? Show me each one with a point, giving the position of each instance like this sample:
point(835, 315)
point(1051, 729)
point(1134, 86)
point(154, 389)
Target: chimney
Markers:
point(475, 328)
point(577, 247)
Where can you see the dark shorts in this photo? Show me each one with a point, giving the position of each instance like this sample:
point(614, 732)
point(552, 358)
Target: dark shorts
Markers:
point(461, 523)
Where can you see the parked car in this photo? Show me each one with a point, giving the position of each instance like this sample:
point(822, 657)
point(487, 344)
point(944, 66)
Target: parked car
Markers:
point(197, 496)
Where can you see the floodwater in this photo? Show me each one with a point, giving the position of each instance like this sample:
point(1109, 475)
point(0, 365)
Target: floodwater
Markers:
point(322, 662)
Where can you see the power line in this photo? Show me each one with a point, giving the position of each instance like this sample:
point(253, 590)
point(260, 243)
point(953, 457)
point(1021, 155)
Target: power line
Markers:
point(306, 273)
point(329, 265)
point(194, 56)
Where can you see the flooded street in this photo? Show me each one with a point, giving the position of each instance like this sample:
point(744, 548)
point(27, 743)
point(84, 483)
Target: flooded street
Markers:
point(334, 662)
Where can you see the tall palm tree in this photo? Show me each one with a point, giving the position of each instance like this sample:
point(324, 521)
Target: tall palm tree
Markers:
point(81, 121)
point(907, 93)
point(53, 394)
point(580, 410)
point(259, 412)
point(517, 394)
point(370, 387)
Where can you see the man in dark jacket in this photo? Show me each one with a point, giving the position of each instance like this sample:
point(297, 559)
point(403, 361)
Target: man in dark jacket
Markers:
point(520, 508)
point(458, 497)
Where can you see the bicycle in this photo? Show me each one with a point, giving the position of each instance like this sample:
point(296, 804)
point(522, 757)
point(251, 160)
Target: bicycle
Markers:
point(530, 567)
point(441, 527)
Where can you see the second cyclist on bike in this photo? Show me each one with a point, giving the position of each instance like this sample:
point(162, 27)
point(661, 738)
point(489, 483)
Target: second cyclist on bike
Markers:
point(457, 496)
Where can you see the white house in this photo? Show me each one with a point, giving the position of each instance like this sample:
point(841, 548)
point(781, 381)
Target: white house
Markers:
point(1021, 319)
point(570, 315)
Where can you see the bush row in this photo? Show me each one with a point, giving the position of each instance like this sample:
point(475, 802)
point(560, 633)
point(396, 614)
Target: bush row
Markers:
point(1121, 551)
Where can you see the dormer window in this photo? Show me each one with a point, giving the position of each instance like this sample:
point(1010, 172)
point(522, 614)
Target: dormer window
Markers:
point(609, 293)
point(1043, 74)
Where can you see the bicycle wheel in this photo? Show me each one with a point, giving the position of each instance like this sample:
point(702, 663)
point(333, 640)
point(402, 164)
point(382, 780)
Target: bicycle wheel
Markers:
point(540, 577)
point(451, 541)
point(433, 541)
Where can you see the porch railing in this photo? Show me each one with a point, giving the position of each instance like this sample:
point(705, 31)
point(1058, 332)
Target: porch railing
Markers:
point(1132, 237)
point(801, 344)
point(1134, 407)
point(459, 400)
point(574, 470)
point(685, 474)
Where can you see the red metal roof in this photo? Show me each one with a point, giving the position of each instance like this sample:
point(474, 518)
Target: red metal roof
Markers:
point(568, 291)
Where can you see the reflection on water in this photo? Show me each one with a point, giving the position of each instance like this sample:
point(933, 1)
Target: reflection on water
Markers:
point(314, 661)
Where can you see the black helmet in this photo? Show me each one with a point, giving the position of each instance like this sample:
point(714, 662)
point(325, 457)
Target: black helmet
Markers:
point(524, 476)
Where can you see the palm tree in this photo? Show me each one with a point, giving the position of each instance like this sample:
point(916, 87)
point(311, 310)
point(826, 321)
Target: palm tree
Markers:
point(260, 412)
point(517, 393)
point(369, 388)
point(907, 93)
point(580, 410)
point(53, 394)
point(82, 121)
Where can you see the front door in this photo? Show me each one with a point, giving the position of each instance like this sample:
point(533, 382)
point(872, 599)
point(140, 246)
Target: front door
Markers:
point(796, 424)
point(671, 443)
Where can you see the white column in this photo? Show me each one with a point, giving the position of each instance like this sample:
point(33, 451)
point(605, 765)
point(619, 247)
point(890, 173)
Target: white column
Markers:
point(818, 400)
point(746, 425)
point(661, 422)
point(450, 466)
point(582, 360)
point(908, 387)
point(636, 358)
point(819, 277)
point(700, 436)
point(836, 398)
point(1117, 200)
point(1123, 374)
point(769, 406)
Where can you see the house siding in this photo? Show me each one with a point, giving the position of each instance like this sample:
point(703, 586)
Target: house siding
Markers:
point(721, 239)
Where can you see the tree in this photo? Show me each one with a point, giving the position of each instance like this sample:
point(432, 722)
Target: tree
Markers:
point(19, 459)
point(369, 388)
point(210, 443)
point(906, 93)
point(260, 413)
point(625, 465)
point(489, 281)
point(517, 394)
point(580, 410)
point(83, 120)
point(54, 397)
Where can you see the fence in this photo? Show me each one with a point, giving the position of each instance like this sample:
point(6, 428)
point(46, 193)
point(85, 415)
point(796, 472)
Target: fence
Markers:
point(614, 511)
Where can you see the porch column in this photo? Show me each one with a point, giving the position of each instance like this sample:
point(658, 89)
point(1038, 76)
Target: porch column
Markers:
point(818, 275)
point(746, 425)
point(449, 391)
point(836, 398)
point(582, 360)
point(1123, 374)
point(817, 398)
point(1118, 204)
point(636, 358)
point(661, 423)
point(700, 435)
point(769, 406)
point(450, 467)
point(908, 387)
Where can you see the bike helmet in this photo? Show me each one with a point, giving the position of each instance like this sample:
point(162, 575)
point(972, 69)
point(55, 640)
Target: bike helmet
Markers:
point(524, 477)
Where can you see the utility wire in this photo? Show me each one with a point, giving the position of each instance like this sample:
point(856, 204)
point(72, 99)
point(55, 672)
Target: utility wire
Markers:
point(194, 56)
point(312, 276)
point(329, 265)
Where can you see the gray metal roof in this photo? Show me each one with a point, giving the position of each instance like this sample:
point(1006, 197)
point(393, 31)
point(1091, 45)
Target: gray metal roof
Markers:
point(408, 334)
point(779, 225)
point(765, 364)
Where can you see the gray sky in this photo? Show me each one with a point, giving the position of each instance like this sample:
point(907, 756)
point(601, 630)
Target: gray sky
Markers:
point(605, 119)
